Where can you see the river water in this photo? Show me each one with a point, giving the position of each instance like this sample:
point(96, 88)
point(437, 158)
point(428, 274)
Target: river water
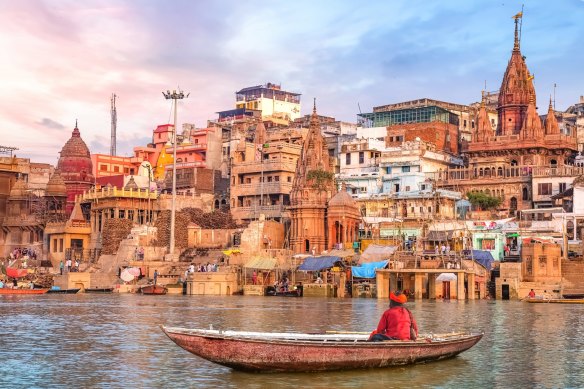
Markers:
point(114, 341)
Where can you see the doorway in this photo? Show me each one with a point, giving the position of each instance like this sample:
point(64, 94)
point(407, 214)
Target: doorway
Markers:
point(504, 292)
point(306, 246)
point(446, 290)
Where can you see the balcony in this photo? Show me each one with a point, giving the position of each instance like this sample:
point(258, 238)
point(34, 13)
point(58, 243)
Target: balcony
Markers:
point(561, 171)
point(266, 167)
point(113, 192)
point(254, 212)
point(184, 165)
point(258, 188)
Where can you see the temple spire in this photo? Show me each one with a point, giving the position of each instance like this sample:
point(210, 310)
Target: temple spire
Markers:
point(517, 31)
point(551, 123)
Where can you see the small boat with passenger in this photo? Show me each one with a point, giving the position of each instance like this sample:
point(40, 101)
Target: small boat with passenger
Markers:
point(304, 352)
point(154, 290)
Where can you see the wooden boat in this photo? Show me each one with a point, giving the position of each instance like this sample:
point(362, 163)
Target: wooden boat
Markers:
point(290, 352)
point(22, 291)
point(555, 301)
point(64, 291)
point(154, 289)
point(272, 291)
point(99, 290)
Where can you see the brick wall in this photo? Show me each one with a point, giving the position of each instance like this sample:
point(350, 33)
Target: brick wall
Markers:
point(433, 132)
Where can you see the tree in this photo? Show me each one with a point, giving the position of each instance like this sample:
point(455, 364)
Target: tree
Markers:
point(483, 201)
point(321, 179)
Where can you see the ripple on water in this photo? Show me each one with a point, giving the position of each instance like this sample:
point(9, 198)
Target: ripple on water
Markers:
point(115, 341)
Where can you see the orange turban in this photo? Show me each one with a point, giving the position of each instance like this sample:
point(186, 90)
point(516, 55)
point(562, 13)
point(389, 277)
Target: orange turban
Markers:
point(398, 298)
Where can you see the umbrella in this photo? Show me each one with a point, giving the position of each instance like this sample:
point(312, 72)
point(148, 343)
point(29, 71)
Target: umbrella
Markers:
point(126, 275)
point(446, 277)
point(135, 271)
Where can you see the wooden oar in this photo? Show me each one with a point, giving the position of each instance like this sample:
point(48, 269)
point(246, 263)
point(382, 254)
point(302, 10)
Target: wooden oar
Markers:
point(347, 332)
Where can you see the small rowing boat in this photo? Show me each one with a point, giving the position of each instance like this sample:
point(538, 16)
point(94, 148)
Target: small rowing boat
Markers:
point(154, 290)
point(98, 290)
point(555, 301)
point(296, 352)
point(22, 291)
point(65, 291)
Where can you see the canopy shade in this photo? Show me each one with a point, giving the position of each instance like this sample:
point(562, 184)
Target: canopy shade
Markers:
point(376, 253)
point(446, 277)
point(261, 263)
point(439, 236)
point(318, 263)
point(483, 257)
point(367, 270)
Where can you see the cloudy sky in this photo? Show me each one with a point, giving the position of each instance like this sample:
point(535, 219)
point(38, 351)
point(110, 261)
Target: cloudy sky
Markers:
point(62, 59)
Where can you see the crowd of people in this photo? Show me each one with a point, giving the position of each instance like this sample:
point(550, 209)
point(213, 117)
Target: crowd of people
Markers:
point(23, 253)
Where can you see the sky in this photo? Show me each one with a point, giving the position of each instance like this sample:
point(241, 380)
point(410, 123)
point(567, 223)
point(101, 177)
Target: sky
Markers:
point(62, 59)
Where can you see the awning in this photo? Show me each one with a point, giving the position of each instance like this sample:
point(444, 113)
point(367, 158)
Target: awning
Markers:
point(446, 277)
point(230, 252)
point(376, 253)
point(367, 270)
point(318, 263)
point(512, 235)
point(261, 263)
point(483, 257)
point(439, 236)
point(341, 253)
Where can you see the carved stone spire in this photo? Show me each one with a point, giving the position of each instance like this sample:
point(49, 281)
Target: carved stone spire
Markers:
point(260, 135)
point(515, 92)
point(532, 128)
point(484, 130)
point(551, 123)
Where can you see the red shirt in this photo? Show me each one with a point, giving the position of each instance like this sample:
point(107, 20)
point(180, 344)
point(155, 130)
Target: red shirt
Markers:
point(395, 323)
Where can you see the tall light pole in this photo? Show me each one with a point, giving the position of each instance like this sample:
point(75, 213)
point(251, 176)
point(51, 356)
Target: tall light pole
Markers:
point(173, 96)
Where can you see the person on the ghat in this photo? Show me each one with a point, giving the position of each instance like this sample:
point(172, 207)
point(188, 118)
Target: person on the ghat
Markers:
point(396, 323)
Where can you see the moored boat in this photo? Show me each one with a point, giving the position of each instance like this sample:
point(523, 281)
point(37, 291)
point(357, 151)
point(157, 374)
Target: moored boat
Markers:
point(295, 352)
point(22, 291)
point(65, 291)
point(98, 290)
point(154, 289)
point(555, 301)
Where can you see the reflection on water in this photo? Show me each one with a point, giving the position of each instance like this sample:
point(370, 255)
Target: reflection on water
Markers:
point(115, 341)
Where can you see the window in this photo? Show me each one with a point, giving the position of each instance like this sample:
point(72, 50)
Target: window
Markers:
point(542, 261)
point(61, 245)
point(347, 159)
point(289, 179)
point(277, 178)
point(407, 188)
point(544, 189)
point(464, 123)
point(248, 180)
point(103, 168)
point(116, 169)
point(126, 170)
point(388, 170)
point(270, 179)
point(405, 169)
point(563, 187)
point(196, 141)
point(528, 265)
point(361, 157)
point(54, 245)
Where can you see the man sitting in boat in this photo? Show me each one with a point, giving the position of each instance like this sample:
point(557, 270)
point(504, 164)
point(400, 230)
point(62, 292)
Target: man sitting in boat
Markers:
point(397, 323)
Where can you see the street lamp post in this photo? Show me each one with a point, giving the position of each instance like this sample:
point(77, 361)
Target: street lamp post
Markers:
point(174, 95)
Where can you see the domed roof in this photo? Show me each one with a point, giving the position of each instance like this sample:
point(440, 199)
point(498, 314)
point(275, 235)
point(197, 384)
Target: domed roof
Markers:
point(75, 161)
point(56, 185)
point(18, 190)
point(343, 198)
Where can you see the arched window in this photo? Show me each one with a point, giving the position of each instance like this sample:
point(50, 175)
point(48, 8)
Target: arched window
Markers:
point(513, 204)
point(553, 163)
point(216, 204)
point(487, 172)
point(525, 194)
point(514, 162)
point(481, 172)
point(499, 171)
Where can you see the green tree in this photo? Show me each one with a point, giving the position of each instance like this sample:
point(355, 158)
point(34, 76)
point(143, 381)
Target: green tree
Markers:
point(321, 179)
point(483, 201)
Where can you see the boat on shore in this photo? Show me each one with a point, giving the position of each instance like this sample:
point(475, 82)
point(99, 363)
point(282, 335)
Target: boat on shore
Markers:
point(272, 291)
point(22, 291)
point(296, 352)
point(98, 290)
point(154, 290)
point(555, 301)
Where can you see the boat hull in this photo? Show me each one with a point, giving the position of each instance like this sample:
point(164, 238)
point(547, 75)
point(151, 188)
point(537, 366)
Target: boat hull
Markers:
point(23, 291)
point(99, 290)
point(64, 291)
point(154, 290)
point(556, 301)
point(313, 354)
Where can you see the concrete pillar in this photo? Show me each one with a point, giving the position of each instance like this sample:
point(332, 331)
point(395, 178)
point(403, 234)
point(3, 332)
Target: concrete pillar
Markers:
point(471, 286)
point(342, 283)
point(382, 280)
point(418, 285)
point(431, 285)
point(460, 286)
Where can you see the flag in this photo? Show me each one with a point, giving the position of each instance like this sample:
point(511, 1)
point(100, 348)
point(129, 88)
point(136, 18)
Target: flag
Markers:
point(518, 16)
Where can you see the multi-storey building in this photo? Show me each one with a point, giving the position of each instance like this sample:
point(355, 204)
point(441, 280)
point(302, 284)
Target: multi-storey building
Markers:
point(262, 173)
point(271, 100)
point(359, 165)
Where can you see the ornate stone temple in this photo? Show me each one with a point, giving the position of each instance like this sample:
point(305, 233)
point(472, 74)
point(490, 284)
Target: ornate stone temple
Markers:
point(343, 218)
point(312, 188)
point(510, 161)
point(75, 168)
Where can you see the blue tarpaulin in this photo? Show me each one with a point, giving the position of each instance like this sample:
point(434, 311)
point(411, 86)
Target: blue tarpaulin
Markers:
point(483, 257)
point(367, 270)
point(318, 263)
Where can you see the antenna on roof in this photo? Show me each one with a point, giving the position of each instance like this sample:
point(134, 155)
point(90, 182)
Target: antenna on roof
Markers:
point(555, 96)
point(114, 124)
